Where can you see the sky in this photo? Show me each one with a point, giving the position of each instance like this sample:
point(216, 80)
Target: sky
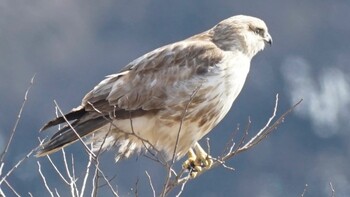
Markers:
point(71, 45)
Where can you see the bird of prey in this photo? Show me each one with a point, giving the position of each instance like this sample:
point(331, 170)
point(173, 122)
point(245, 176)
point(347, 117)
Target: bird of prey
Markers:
point(169, 98)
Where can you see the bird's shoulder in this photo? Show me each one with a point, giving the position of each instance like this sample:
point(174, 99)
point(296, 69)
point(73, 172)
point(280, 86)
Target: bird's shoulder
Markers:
point(190, 53)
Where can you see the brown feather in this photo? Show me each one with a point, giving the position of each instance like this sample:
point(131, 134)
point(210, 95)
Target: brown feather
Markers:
point(201, 75)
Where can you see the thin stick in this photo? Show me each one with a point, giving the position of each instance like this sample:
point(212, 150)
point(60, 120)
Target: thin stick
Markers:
point(76, 133)
point(178, 180)
point(95, 184)
point(44, 179)
point(259, 134)
point(16, 166)
point(151, 184)
point(74, 188)
point(183, 186)
point(181, 122)
point(166, 185)
point(332, 189)
point(56, 169)
point(17, 120)
point(58, 195)
point(11, 188)
point(304, 192)
point(87, 172)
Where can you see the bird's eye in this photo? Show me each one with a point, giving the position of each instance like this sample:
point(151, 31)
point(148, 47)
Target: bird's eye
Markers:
point(259, 31)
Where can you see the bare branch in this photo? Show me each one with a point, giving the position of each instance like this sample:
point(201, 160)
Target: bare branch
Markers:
point(12, 189)
point(56, 169)
point(87, 172)
point(95, 184)
point(17, 121)
point(76, 133)
point(230, 143)
point(208, 145)
point(151, 184)
point(58, 195)
point(259, 136)
point(44, 179)
point(266, 130)
point(169, 168)
point(1, 167)
point(72, 180)
point(74, 188)
point(304, 192)
point(332, 189)
point(181, 122)
point(107, 181)
point(16, 166)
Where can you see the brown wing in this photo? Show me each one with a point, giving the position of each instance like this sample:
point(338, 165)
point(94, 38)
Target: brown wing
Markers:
point(145, 82)
point(143, 86)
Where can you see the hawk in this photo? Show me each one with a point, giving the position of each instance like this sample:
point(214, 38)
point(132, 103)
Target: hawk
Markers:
point(169, 98)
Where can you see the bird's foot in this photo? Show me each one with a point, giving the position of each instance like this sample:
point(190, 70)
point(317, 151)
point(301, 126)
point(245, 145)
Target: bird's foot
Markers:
point(197, 160)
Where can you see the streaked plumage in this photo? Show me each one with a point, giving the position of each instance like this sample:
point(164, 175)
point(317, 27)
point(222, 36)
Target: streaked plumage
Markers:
point(150, 95)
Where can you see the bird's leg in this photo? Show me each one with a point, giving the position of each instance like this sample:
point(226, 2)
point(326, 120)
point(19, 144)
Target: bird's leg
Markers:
point(197, 160)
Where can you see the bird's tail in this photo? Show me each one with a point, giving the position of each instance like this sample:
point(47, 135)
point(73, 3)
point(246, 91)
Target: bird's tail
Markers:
point(84, 123)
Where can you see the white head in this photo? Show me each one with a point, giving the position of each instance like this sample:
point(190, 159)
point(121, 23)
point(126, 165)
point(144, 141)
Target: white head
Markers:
point(241, 33)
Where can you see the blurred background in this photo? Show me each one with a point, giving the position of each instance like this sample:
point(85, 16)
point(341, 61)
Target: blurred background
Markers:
point(72, 45)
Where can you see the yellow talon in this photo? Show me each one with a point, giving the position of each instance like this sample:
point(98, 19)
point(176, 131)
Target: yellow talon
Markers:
point(197, 160)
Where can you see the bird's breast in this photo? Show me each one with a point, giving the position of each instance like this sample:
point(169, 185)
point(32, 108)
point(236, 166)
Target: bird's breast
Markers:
point(229, 82)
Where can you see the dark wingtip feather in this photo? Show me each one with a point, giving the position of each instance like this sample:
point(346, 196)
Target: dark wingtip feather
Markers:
point(52, 123)
point(66, 135)
point(73, 115)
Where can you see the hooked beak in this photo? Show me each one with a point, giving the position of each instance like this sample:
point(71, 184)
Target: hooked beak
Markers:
point(268, 39)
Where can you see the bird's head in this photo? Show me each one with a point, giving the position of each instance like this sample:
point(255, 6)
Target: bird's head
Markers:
point(243, 33)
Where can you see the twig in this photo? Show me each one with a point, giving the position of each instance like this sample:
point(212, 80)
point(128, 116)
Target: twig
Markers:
point(58, 194)
point(71, 182)
point(17, 121)
point(2, 193)
point(74, 188)
point(304, 192)
point(182, 120)
point(166, 185)
point(222, 162)
point(108, 183)
point(76, 133)
point(87, 172)
point(136, 190)
point(44, 179)
point(11, 188)
point(95, 184)
point(231, 142)
point(16, 166)
point(208, 145)
point(145, 142)
point(1, 167)
point(332, 189)
point(56, 169)
point(259, 136)
point(254, 141)
point(183, 186)
point(151, 184)
point(88, 151)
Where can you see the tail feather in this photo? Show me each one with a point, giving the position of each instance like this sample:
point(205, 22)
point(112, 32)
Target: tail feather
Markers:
point(73, 115)
point(66, 135)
